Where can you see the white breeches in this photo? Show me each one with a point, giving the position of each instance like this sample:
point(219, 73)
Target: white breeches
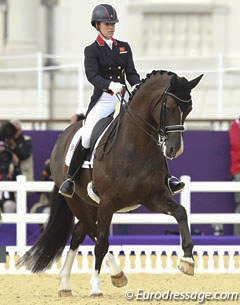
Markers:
point(104, 107)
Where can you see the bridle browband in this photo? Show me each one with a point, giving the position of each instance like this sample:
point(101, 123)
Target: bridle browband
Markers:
point(179, 99)
point(163, 130)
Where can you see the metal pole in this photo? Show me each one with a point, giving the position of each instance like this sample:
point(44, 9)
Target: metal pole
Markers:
point(220, 85)
point(50, 50)
point(81, 106)
point(51, 94)
point(40, 85)
point(49, 4)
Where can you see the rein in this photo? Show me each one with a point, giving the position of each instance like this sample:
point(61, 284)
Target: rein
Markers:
point(163, 130)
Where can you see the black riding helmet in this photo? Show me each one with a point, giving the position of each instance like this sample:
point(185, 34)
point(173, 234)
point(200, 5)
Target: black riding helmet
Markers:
point(104, 13)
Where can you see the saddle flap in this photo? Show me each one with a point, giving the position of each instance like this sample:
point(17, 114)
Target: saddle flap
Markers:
point(98, 129)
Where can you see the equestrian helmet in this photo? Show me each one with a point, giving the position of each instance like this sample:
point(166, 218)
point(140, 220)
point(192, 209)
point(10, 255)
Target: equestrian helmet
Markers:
point(104, 13)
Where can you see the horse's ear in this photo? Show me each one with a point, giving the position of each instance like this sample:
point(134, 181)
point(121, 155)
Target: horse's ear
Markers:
point(193, 83)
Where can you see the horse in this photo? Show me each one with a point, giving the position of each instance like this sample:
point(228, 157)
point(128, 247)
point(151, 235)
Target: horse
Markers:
point(129, 169)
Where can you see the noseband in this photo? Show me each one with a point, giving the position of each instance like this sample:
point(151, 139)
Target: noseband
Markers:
point(163, 130)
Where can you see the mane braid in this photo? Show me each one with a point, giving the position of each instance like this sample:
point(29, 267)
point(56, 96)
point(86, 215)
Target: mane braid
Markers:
point(154, 72)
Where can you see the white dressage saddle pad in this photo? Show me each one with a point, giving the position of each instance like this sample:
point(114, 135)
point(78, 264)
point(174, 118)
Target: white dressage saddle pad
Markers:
point(76, 139)
point(73, 144)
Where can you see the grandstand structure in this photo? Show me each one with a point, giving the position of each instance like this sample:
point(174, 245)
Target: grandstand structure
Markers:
point(41, 57)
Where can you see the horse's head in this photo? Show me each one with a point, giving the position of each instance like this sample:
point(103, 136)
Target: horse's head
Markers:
point(159, 107)
point(175, 105)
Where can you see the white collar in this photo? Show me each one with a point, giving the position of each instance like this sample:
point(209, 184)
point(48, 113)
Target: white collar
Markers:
point(109, 42)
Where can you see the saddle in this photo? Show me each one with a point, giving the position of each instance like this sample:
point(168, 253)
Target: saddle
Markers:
point(111, 124)
point(98, 129)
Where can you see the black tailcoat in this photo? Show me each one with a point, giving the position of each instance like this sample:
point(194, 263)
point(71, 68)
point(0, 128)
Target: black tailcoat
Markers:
point(103, 65)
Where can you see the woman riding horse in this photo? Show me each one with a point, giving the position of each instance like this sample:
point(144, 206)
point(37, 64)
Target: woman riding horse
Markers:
point(107, 62)
point(132, 172)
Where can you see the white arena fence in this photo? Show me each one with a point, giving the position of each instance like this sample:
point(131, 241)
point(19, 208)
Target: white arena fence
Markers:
point(220, 79)
point(140, 258)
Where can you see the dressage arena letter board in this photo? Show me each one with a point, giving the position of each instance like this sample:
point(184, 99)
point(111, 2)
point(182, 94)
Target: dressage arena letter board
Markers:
point(2, 254)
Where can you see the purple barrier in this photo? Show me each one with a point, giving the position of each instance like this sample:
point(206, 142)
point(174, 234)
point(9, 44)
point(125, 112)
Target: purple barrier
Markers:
point(206, 158)
point(8, 232)
point(206, 154)
point(43, 142)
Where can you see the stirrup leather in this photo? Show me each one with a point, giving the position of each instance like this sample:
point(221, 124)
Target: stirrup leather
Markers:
point(73, 188)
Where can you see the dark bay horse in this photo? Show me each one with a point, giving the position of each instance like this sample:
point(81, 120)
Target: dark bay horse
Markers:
point(133, 172)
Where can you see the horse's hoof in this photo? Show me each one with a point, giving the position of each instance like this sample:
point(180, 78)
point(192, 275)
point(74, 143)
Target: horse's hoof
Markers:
point(119, 280)
point(65, 293)
point(96, 294)
point(186, 265)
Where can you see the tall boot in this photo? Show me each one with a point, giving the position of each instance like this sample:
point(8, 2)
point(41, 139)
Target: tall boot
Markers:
point(67, 188)
point(174, 184)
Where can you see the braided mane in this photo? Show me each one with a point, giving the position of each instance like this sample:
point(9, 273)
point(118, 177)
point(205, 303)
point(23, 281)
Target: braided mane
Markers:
point(154, 72)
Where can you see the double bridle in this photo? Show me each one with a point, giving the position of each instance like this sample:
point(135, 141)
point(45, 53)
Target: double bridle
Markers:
point(162, 131)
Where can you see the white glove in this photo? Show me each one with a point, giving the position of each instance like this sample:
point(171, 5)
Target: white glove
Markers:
point(115, 87)
point(134, 86)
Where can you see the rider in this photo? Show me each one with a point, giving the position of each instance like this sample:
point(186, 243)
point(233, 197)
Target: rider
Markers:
point(107, 62)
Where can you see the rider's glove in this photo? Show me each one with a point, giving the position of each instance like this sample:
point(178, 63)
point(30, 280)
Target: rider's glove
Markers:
point(134, 87)
point(115, 87)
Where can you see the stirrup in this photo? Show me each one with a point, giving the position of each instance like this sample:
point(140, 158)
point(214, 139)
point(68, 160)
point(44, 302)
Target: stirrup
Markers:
point(180, 183)
point(73, 188)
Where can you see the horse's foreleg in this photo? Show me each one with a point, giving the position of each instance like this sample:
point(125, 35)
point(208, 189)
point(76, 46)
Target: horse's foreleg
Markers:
point(117, 275)
point(78, 237)
point(186, 264)
point(173, 208)
point(101, 248)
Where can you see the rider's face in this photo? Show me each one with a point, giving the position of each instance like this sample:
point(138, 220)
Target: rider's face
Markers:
point(107, 29)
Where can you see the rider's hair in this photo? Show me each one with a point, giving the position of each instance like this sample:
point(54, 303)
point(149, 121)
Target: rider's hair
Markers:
point(97, 25)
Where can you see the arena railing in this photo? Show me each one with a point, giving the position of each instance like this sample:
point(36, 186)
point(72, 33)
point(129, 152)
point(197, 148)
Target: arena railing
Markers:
point(140, 259)
point(21, 218)
point(36, 63)
point(61, 123)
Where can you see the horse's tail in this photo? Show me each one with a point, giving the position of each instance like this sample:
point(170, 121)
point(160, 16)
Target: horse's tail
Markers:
point(54, 237)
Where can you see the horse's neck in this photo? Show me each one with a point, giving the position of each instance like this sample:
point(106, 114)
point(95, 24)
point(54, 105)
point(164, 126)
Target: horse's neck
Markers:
point(137, 148)
point(134, 132)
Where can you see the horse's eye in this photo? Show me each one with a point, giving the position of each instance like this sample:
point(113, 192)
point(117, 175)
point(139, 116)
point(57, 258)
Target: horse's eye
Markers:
point(169, 110)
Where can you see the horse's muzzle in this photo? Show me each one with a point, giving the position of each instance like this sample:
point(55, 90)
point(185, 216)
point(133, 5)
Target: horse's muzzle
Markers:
point(172, 151)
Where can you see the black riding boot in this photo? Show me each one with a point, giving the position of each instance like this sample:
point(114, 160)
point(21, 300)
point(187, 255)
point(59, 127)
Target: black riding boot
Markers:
point(175, 185)
point(67, 188)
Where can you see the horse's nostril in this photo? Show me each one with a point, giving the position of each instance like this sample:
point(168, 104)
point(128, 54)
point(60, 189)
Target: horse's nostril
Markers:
point(173, 152)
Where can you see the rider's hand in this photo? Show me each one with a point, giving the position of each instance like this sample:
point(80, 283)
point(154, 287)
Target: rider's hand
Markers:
point(134, 87)
point(115, 87)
